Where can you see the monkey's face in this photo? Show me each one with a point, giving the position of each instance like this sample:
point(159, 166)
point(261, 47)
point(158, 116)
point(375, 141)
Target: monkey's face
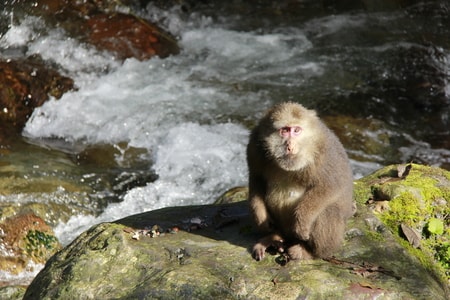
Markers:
point(285, 146)
point(289, 134)
point(290, 141)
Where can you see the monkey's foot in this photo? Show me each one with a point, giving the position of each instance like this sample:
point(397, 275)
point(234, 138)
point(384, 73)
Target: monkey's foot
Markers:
point(297, 252)
point(272, 240)
point(259, 251)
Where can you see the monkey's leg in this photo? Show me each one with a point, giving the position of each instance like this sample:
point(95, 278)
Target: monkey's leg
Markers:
point(271, 240)
point(327, 233)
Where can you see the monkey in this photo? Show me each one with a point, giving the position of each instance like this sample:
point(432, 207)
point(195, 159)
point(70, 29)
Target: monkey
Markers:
point(300, 184)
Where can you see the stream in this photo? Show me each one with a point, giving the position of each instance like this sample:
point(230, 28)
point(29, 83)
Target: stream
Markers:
point(376, 71)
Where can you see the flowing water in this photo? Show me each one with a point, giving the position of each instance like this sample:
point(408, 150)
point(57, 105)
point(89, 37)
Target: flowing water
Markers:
point(381, 68)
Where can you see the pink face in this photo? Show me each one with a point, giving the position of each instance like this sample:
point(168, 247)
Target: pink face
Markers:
point(290, 131)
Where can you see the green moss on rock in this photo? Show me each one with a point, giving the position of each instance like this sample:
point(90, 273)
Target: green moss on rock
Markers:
point(423, 194)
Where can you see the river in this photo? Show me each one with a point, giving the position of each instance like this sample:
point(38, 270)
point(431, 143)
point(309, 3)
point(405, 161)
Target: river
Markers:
point(375, 68)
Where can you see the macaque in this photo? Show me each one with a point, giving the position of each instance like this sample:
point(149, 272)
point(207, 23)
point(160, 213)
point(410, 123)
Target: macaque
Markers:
point(300, 184)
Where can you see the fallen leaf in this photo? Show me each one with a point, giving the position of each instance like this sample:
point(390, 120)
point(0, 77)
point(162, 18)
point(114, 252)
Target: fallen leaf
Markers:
point(403, 170)
point(362, 288)
point(413, 237)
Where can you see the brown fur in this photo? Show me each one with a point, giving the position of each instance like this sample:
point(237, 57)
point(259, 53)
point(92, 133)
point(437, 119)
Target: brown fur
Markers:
point(302, 199)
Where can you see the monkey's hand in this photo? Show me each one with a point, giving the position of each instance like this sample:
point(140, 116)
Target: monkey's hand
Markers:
point(272, 240)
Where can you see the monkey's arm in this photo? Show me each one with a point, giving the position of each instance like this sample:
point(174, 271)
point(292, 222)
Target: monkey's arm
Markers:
point(257, 184)
point(257, 205)
point(312, 204)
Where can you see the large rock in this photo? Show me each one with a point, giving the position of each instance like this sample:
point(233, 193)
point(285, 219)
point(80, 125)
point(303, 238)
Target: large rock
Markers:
point(202, 252)
point(129, 36)
point(105, 25)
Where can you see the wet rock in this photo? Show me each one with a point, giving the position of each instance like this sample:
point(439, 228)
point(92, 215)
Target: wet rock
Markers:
point(56, 185)
point(105, 25)
point(233, 195)
point(129, 36)
point(45, 184)
point(363, 137)
point(129, 166)
point(26, 84)
point(125, 259)
point(25, 240)
point(116, 155)
point(54, 207)
point(419, 93)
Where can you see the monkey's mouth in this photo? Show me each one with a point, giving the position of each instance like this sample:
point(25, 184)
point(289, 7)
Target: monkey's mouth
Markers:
point(290, 155)
point(291, 162)
point(288, 159)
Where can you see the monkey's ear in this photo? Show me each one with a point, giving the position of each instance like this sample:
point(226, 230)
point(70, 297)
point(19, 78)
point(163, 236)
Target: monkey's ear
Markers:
point(311, 112)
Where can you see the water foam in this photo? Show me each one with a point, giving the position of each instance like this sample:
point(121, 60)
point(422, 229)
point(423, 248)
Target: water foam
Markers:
point(23, 278)
point(195, 163)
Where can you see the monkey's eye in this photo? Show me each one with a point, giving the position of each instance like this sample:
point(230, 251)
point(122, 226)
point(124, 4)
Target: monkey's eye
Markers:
point(289, 131)
point(285, 131)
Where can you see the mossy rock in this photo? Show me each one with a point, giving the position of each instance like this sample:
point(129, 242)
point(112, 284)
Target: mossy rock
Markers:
point(411, 201)
point(25, 240)
point(203, 252)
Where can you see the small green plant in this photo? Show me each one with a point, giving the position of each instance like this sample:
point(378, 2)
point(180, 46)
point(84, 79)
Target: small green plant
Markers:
point(444, 254)
point(39, 244)
point(435, 226)
point(438, 240)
